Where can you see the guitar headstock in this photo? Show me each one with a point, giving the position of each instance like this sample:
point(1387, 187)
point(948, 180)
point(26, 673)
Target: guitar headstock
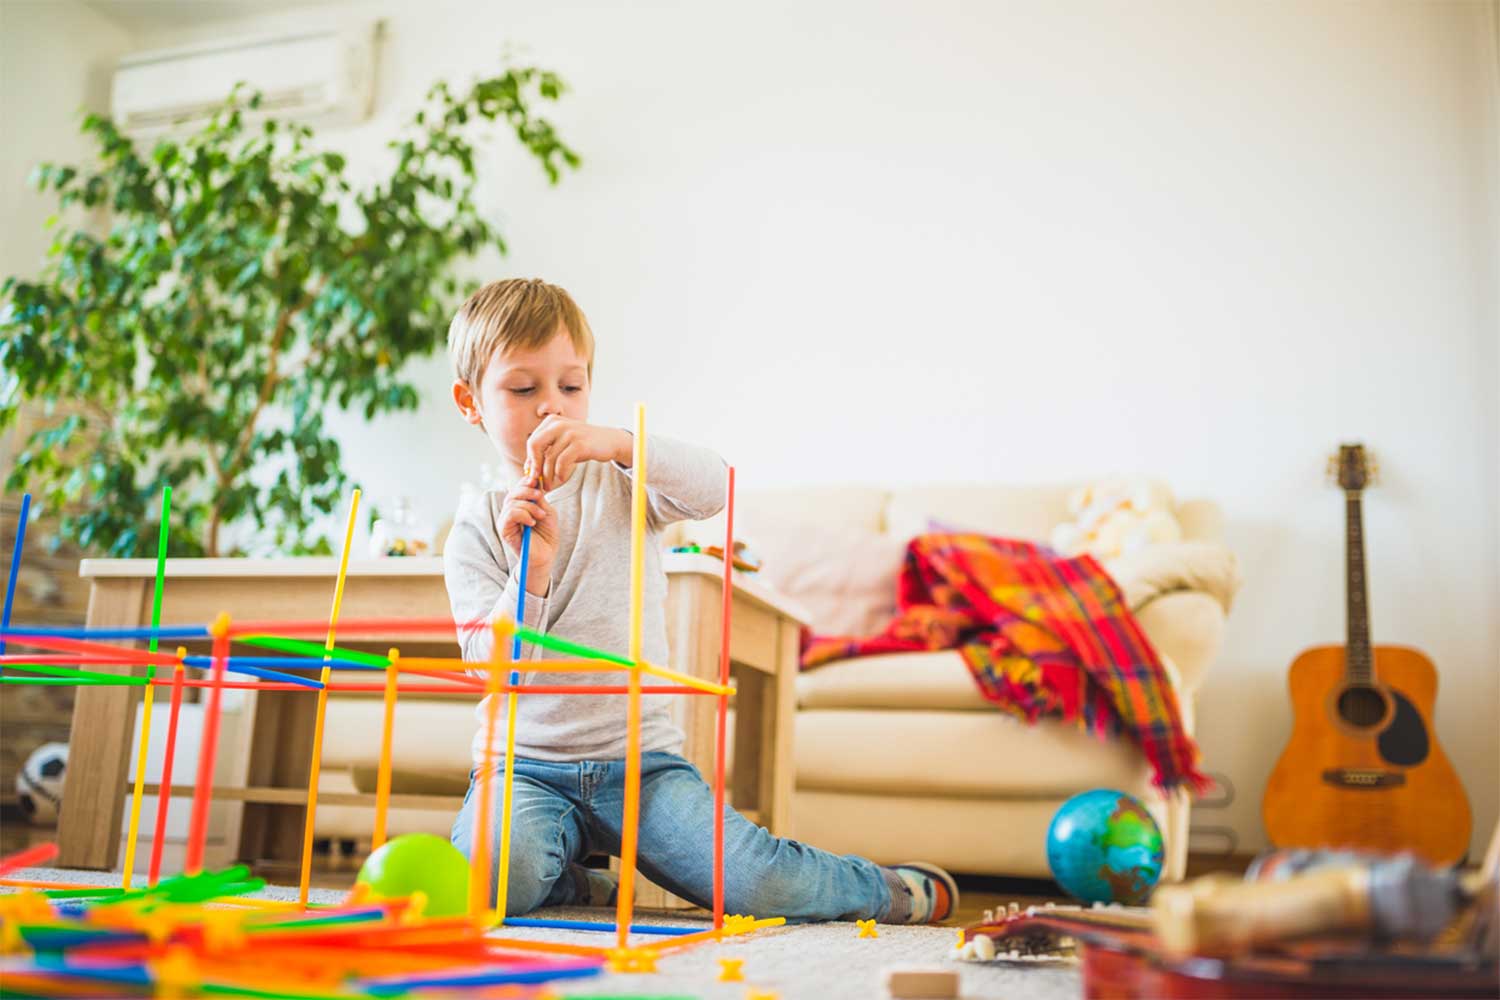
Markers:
point(1352, 469)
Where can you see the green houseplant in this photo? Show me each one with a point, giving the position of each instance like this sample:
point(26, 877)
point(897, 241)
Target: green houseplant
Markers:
point(245, 284)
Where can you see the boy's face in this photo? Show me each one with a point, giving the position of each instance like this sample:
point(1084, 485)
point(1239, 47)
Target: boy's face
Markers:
point(520, 388)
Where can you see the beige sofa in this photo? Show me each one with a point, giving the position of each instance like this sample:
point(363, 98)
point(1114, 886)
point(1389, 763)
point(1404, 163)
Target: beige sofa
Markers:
point(898, 756)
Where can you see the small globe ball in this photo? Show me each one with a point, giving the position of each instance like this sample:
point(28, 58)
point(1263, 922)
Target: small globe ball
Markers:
point(420, 862)
point(1104, 847)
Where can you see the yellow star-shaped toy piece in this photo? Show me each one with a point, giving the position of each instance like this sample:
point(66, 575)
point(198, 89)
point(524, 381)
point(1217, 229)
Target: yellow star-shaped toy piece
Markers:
point(867, 929)
point(758, 995)
point(730, 970)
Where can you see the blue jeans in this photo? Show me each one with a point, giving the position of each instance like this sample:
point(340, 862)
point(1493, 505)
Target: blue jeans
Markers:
point(565, 812)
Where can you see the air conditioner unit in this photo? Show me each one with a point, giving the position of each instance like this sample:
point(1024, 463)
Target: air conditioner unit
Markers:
point(323, 76)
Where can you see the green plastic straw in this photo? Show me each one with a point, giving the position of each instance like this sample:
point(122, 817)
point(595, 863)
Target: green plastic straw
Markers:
point(313, 649)
point(121, 681)
point(564, 646)
point(214, 989)
point(54, 671)
point(338, 918)
point(161, 567)
point(81, 893)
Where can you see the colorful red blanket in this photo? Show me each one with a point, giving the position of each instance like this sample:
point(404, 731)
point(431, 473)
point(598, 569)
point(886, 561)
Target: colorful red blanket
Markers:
point(1044, 636)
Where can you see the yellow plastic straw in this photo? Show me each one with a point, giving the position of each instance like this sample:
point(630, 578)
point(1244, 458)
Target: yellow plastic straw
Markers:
point(684, 679)
point(317, 747)
point(140, 761)
point(383, 778)
point(625, 906)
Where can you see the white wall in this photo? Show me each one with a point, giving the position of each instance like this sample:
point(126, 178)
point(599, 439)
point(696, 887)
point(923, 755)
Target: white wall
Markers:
point(54, 64)
point(1026, 242)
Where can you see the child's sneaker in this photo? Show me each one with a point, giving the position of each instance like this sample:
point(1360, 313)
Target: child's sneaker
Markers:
point(934, 894)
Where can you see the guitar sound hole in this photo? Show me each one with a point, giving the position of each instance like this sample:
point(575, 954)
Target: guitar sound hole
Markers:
point(1361, 706)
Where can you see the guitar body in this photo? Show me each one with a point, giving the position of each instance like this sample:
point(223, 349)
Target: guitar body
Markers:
point(1363, 768)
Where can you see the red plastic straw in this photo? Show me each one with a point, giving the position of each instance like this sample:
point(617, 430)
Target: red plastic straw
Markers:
point(159, 833)
point(357, 625)
point(207, 756)
point(29, 858)
point(438, 688)
point(123, 653)
point(723, 704)
point(68, 659)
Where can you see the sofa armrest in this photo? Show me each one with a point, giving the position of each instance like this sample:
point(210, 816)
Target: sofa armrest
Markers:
point(1186, 627)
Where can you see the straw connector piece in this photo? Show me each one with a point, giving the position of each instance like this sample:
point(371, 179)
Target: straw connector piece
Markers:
point(736, 923)
point(631, 960)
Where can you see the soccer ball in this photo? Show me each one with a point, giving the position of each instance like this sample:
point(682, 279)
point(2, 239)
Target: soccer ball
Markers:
point(39, 785)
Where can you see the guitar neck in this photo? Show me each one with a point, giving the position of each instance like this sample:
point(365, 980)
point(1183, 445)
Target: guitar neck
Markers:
point(1358, 664)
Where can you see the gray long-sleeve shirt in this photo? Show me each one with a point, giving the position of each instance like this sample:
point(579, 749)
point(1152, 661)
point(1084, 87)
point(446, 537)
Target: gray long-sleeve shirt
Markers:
point(589, 599)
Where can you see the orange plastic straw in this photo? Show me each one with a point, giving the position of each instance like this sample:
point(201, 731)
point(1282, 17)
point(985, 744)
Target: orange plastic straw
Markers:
point(479, 851)
point(208, 752)
point(628, 827)
point(502, 890)
point(317, 747)
point(163, 798)
point(387, 731)
point(723, 701)
point(551, 947)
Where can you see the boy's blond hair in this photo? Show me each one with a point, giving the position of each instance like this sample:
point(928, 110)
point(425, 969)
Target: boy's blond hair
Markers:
point(516, 312)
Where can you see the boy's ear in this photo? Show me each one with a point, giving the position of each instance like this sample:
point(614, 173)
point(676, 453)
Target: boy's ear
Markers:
point(464, 399)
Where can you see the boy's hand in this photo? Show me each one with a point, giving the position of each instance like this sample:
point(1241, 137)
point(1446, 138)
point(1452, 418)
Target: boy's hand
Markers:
point(557, 446)
point(525, 506)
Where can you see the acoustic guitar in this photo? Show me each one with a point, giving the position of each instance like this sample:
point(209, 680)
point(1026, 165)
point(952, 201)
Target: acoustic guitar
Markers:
point(1363, 767)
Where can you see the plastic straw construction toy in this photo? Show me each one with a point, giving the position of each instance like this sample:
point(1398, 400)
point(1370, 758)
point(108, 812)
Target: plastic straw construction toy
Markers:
point(200, 932)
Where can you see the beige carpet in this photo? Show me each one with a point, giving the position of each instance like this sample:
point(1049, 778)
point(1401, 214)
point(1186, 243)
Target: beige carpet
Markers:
point(828, 961)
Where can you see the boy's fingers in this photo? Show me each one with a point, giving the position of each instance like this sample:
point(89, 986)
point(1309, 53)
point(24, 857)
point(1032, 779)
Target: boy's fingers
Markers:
point(536, 444)
point(567, 458)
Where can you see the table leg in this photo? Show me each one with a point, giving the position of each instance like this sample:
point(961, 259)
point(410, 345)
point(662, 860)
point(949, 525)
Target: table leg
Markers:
point(99, 749)
point(778, 768)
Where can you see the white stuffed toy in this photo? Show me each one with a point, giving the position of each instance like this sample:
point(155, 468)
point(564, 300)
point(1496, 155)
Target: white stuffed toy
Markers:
point(1117, 516)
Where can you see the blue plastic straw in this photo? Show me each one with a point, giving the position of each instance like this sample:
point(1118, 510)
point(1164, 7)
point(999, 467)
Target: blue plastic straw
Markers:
point(205, 662)
point(515, 646)
point(174, 632)
point(402, 984)
point(288, 662)
point(588, 925)
point(15, 566)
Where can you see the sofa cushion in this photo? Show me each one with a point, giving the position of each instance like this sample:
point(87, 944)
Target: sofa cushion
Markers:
point(906, 681)
point(823, 549)
point(1009, 511)
point(957, 755)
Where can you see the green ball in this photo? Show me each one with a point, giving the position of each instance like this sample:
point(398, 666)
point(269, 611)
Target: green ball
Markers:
point(420, 862)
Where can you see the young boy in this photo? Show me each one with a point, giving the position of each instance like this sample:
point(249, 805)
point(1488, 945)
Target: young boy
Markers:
point(523, 363)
